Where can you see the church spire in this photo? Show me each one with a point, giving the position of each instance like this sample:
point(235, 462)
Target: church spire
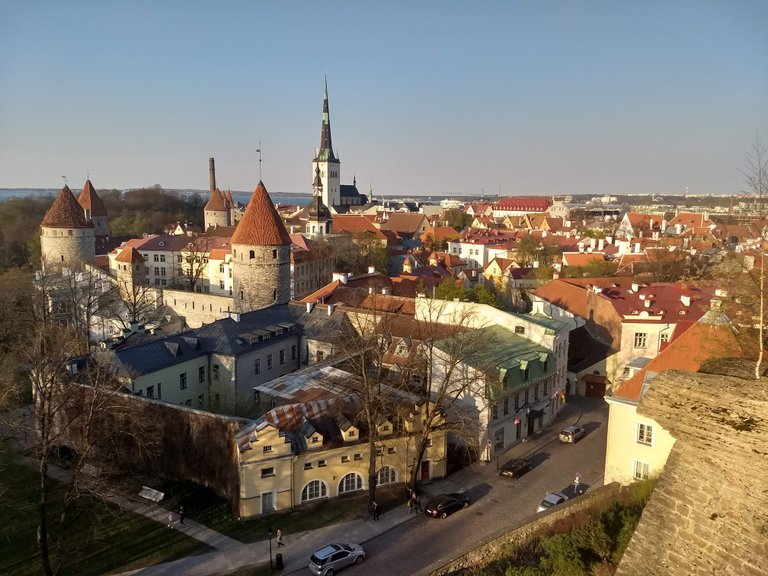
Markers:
point(326, 146)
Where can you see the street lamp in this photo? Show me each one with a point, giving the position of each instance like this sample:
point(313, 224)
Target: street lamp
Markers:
point(269, 533)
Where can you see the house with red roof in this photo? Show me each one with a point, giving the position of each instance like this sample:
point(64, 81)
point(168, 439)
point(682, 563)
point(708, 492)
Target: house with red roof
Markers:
point(640, 225)
point(638, 446)
point(517, 206)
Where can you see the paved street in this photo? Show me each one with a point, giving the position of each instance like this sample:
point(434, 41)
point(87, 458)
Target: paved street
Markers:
point(405, 544)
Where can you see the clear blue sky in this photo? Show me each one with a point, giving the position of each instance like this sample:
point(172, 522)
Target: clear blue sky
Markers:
point(440, 98)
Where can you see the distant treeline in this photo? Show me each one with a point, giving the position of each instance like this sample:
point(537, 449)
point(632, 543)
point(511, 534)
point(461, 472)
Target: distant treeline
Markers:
point(130, 213)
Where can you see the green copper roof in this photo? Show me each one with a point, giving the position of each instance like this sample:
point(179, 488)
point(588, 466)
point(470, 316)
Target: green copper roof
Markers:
point(510, 361)
point(542, 320)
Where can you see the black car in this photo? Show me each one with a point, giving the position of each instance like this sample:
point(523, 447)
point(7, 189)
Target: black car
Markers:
point(441, 506)
point(516, 468)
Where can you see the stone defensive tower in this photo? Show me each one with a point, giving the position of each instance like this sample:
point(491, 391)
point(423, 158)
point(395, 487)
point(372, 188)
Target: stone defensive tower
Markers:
point(326, 161)
point(261, 256)
point(94, 210)
point(66, 237)
point(217, 210)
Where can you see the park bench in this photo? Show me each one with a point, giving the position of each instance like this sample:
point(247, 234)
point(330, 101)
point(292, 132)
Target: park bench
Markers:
point(151, 494)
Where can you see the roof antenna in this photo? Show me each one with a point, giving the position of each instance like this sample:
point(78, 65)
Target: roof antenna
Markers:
point(259, 151)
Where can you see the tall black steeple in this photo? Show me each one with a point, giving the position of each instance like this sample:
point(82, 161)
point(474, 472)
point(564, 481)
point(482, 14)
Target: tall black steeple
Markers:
point(326, 146)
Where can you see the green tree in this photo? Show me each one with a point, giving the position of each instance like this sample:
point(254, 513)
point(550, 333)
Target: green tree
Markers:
point(449, 289)
point(485, 294)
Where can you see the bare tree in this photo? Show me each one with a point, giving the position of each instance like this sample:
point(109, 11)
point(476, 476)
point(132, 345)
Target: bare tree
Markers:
point(756, 177)
point(195, 257)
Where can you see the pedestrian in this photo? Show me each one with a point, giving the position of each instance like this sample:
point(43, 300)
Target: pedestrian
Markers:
point(375, 509)
point(279, 538)
point(416, 500)
point(181, 514)
point(410, 505)
point(408, 493)
point(576, 483)
point(170, 520)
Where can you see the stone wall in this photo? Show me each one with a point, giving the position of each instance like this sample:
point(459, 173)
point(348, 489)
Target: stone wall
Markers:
point(59, 249)
point(263, 280)
point(198, 309)
point(708, 512)
point(489, 551)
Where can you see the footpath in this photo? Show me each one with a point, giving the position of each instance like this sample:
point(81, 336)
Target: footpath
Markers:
point(231, 555)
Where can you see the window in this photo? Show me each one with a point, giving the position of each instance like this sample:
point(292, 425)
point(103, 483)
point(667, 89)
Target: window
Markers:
point(267, 472)
point(150, 391)
point(344, 459)
point(157, 271)
point(201, 374)
point(664, 337)
point(269, 361)
point(274, 254)
point(252, 254)
point(179, 259)
point(494, 411)
point(391, 450)
point(159, 391)
point(282, 357)
point(358, 456)
point(293, 352)
point(162, 271)
point(267, 501)
point(642, 470)
point(267, 449)
point(641, 339)
point(314, 490)
point(320, 355)
point(519, 329)
point(183, 381)
point(350, 483)
point(379, 451)
point(321, 464)
point(221, 268)
point(307, 465)
point(162, 257)
point(315, 439)
point(498, 440)
point(156, 259)
point(351, 434)
point(644, 433)
point(216, 372)
point(257, 367)
point(506, 405)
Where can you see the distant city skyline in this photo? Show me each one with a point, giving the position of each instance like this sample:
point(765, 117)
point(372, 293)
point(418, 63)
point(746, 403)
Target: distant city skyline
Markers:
point(432, 98)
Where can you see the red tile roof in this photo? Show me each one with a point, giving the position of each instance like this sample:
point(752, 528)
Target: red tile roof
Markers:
point(261, 224)
point(524, 204)
point(65, 212)
point(217, 202)
point(405, 222)
point(689, 351)
point(130, 255)
point(229, 199)
point(90, 200)
point(582, 258)
point(357, 226)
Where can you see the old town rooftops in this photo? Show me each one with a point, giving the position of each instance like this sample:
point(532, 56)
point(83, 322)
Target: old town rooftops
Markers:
point(65, 212)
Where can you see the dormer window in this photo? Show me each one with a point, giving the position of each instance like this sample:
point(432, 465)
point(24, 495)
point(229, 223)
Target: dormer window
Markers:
point(351, 433)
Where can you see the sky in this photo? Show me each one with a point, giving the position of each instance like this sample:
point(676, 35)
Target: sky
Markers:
point(436, 98)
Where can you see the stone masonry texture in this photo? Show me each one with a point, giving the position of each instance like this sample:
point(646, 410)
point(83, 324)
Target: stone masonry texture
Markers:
point(709, 511)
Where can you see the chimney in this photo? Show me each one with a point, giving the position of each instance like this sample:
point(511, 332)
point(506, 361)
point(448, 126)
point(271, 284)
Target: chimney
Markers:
point(609, 239)
point(635, 287)
point(330, 309)
point(344, 278)
point(385, 291)
point(601, 244)
point(663, 225)
point(371, 269)
point(309, 307)
point(637, 248)
point(581, 247)
point(212, 173)
point(592, 242)
point(685, 299)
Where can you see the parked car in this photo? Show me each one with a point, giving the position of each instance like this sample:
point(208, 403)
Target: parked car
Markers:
point(445, 504)
point(331, 558)
point(516, 468)
point(571, 434)
point(550, 500)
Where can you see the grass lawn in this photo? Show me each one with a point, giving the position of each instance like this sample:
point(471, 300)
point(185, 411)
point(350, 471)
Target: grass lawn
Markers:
point(104, 538)
point(212, 511)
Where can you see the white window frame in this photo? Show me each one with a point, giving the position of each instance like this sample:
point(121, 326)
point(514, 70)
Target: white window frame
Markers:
point(640, 340)
point(644, 469)
point(386, 475)
point(322, 490)
point(644, 434)
point(352, 482)
point(271, 497)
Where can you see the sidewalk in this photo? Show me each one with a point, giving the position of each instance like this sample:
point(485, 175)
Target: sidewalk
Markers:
point(299, 547)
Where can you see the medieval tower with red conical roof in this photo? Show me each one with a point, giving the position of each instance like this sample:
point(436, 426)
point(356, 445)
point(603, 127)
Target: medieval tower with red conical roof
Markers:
point(94, 210)
point(261, 256)
point(217, 211)
point(66, 237)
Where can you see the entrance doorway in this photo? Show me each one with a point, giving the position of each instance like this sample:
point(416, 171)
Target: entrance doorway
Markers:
point(425, 470)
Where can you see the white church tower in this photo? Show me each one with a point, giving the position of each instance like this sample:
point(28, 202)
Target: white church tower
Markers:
point(326, 161)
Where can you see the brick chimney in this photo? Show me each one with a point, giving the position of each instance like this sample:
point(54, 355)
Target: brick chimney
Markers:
point(212, 173)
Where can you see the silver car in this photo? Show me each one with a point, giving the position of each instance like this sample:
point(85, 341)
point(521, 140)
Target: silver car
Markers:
point(550, 500)
point(571, 434)
point(331, 558)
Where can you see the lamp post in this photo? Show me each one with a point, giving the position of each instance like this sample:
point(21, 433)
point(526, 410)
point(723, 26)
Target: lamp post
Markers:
point(269, 533)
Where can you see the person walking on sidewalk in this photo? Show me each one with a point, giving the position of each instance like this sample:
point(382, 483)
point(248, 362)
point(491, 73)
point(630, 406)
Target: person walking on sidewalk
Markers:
point(279, 538)
point(375, 510)
point(416, 500)
point(181, 514)
point(410, 504)
point(170, 520)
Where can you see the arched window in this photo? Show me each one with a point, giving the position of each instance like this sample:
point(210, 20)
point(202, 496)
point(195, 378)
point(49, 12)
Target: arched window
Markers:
point(351, 482)
point(314, 490)
point(386, 475)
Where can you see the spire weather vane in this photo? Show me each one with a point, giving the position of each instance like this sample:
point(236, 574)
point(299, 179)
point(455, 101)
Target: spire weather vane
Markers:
point(259, 151)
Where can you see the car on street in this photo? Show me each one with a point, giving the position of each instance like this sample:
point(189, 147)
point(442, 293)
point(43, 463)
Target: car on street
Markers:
point(571, 434)
point(550, 500)
point(516, 468)
point(445, 504)
point(331, 558)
